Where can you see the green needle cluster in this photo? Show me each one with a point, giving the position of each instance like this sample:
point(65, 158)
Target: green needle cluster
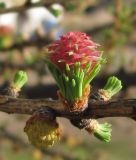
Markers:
point(2, 5)
point(113, 86)
point(73, 79)
point(55, 10)
point(20, 79)
point(103, 132)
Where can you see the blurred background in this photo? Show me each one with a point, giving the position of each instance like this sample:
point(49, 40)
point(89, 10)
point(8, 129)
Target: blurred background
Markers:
point(26, 27)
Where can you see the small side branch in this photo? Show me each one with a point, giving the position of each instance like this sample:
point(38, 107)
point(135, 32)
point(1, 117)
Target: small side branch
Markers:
point(118, 108)
point(18, 9)
point(39, 42)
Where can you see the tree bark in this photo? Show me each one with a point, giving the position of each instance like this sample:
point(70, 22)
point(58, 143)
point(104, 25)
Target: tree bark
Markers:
point(118, 108)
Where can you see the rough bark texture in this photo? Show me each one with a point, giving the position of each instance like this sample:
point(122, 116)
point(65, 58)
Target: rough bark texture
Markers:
point(118, 108)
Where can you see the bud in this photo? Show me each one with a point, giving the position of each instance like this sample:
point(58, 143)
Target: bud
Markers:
point(42, 130)
point(2, 5)
point(19, 81)
point(112, 87)
point(56, 10)
point(101, 131)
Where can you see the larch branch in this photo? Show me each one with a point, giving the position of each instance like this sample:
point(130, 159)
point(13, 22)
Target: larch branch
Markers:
point(118, 108)
point(18, 9)
point(39, 42)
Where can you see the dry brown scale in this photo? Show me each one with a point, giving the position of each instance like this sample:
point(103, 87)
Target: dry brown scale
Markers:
point(79, 104)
